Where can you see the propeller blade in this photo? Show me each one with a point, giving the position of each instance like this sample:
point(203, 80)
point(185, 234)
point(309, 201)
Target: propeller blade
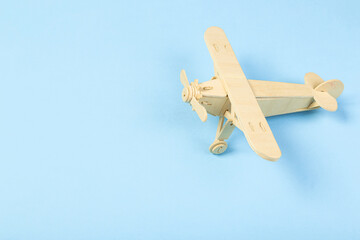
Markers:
point(326, 101)
point(183, 78)
point(199, 109)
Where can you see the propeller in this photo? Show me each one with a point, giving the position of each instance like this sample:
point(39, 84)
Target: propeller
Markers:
point(189, 94)
point(325, 93)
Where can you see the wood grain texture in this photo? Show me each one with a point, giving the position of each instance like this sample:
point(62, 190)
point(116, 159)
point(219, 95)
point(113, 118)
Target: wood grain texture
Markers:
point(279, 89)
point(243, 101)
point(334, 87)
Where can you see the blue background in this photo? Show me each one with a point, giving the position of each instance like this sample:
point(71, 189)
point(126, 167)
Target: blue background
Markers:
point(96, 143)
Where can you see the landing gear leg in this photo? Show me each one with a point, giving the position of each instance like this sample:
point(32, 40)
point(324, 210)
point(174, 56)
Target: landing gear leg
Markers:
point(223, 132)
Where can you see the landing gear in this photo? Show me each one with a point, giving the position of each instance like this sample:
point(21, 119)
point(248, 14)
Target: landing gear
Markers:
point(218, 147)
point(223, 132)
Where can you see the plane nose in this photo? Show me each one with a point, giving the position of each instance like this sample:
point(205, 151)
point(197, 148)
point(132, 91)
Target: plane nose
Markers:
point(186, 94)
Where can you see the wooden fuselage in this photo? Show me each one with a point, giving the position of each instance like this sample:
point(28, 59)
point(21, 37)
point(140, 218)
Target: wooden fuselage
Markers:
point(274, 98)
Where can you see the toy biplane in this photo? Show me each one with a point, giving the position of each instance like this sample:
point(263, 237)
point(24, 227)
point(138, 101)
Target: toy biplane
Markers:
point(245, 103)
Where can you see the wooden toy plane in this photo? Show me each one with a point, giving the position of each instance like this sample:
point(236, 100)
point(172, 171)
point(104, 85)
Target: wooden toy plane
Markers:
point(245, 103)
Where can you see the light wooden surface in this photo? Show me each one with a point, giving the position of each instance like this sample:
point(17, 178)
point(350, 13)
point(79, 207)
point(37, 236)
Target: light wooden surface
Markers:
point(283, 105)
point(264, 89)
point(191, 94)
point(243, 100)
point(325, 100)
point(325, 93)
point(334, 87)
point(312, 80)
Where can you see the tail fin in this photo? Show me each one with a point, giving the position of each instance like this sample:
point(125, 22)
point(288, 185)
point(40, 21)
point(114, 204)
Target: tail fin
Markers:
point(325, 93)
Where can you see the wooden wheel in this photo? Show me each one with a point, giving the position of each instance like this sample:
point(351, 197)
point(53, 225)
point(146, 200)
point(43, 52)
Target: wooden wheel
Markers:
point(218, 147)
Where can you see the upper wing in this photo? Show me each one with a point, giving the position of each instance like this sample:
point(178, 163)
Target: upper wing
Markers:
point(243, 100)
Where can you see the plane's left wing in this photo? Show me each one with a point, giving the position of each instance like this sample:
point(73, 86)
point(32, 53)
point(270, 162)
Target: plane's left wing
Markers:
point(241, 96)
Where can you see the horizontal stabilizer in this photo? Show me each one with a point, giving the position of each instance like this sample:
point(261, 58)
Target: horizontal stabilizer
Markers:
point(325, 93)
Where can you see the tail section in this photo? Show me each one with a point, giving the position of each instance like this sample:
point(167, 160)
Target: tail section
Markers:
point(325, 93)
